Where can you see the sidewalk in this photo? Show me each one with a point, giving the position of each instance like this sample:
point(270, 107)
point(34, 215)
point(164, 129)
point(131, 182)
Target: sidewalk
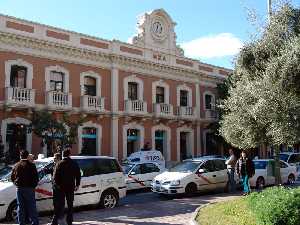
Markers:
point(177, 211)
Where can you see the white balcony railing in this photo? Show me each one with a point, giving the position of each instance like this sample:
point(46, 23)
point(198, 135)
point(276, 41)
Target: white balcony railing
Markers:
point(186, 112)
point(16, 96)
point(211, 114)
point(162, 109)
point(92, 103)
point(136, 106)
point(59, 100)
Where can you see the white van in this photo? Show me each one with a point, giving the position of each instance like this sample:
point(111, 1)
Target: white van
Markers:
point(141, 167)
point(102, 182)
point(192, 175)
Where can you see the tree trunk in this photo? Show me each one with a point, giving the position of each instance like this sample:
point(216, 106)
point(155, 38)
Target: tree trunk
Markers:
point(277, 165)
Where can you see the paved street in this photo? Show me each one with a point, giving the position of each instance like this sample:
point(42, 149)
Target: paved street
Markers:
point(145, 209)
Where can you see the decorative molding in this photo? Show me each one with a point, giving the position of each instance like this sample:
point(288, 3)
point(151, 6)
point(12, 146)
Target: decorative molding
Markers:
point(99, 136)
point(213, 99)
point(167, 144)
point(93, 75)
point(190, 94)
point(132, 125)
point(190, 147)
point(139, 81)
point(18, 62)
point(60, 69)
point(161, 83)
point(16, 120)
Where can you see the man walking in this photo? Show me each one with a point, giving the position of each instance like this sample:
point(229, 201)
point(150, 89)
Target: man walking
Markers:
point(231, 162)
point(25, 176)
point(66, 180)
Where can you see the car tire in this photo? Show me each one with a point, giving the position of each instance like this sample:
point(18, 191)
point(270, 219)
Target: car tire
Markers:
point(291, 179)
point(109, 199)
point(260, 183)
point(191, 189)
point(11, 214)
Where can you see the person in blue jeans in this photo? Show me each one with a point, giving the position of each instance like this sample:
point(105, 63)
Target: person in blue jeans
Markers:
point(245, 169)
point(25, 177)
point(231, 162)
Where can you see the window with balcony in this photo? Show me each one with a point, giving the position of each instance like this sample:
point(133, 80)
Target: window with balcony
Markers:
point(56, 81)
point(208, 102)
point(132, 91)
point(183, 98)
point(160, 94)
point(18, 76)
point(89, 86)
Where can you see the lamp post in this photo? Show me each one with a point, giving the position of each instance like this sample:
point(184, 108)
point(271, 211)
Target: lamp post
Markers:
point(269, 9)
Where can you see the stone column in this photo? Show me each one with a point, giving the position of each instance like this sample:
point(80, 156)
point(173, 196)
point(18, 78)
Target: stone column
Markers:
point(114, 136)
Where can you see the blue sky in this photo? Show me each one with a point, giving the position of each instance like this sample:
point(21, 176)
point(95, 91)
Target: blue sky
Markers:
point(209, 30)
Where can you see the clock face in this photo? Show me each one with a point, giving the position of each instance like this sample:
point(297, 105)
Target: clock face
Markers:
point(158, 28)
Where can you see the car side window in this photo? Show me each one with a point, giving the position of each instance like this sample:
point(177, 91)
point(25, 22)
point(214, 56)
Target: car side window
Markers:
point(149, 168)
point(295, 158)
point(219, 165)
point(105, 166)
point(87, 167)
point(137, 169)
point(208, 166)
point(283, 165)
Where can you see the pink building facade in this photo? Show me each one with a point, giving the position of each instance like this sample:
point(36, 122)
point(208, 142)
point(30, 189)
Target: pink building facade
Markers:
point(129, 94)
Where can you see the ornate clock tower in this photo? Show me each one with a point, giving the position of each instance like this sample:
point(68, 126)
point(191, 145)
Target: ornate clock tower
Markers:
point(156, 32)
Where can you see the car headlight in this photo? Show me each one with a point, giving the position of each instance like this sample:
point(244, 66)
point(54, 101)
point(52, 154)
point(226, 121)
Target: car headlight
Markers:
point(175, 182)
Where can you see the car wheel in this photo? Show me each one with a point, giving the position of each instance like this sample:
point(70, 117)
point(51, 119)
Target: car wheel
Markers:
point(11, 214)
point(291, 179)
point(109, 199)
point(191, 189)
point(260, 183)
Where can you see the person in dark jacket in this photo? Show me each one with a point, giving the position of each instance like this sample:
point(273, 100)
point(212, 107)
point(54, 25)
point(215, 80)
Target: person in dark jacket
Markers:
point(67, 180)
point(25, 176)
point(245, 169)
point(57, 209)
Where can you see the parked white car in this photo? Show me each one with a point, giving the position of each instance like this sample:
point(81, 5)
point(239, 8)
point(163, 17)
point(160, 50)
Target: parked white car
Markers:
point(102, 182)
point(140, 175)
point(192, 175)
point(292, 158)
point(265, 176)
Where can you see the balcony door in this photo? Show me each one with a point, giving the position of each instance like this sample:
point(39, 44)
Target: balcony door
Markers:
point(56, 81)
point(132, 91)
point(89, 86)
point(183, 98)
point(18, 76)
point(160, 94)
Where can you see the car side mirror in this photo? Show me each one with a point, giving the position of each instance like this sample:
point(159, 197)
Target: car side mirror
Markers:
point(201, 171)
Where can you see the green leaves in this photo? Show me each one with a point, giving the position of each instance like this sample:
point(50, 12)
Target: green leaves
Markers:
point(264, 101)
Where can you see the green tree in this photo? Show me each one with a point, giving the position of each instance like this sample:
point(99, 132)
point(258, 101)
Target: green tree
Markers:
point(53, 130)
point(263, 106)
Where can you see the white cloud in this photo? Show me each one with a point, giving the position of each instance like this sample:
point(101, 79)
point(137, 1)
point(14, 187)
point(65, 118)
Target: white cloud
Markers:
point(213, 46)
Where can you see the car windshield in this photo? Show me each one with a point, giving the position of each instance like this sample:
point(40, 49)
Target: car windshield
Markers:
point(127, 167)
point(4, 171)
point(284, 157)
point(6, 176)
point(260, 165)
point(186, 166)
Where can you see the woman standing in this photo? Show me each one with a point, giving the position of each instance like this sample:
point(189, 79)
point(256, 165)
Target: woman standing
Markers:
point(245, 170)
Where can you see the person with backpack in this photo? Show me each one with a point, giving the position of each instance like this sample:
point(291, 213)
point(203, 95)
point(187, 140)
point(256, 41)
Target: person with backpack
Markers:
point(245, 170)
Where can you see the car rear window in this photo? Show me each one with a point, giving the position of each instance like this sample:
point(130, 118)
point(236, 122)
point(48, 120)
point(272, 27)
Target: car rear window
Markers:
point(260, 165)
point(92, 167)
